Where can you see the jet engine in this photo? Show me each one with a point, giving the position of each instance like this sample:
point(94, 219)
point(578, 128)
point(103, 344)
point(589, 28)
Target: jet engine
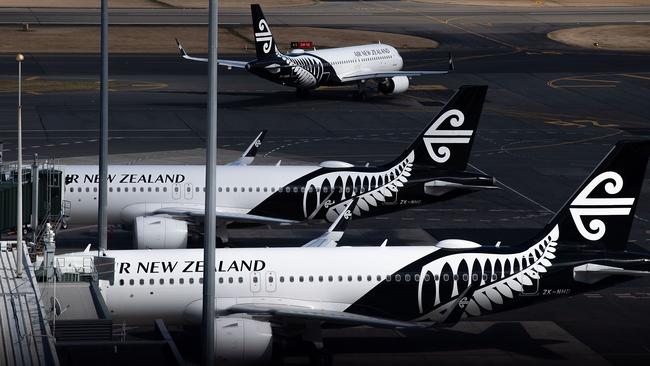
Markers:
point(242, 341)
point(156, 232)
point(394, 85)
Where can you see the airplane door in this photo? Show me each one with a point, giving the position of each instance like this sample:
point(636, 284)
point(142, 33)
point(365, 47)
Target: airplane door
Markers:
point(188, 191)
point(176, 191)
point(392, 200)
point(270, 281)
point(256, 279)
point(88, 264)
point(531, 290)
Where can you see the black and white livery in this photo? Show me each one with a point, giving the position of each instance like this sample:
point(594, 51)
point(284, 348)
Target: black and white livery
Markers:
point(306, 70)
point(282, 292)
point(161, 201)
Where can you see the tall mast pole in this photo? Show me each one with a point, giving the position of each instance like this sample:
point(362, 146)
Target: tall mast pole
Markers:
point(102, 219)
point(19, 207)
point(209, 314)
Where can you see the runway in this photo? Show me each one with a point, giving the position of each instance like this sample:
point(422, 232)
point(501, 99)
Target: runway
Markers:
point(325, 13)
point(551, 114)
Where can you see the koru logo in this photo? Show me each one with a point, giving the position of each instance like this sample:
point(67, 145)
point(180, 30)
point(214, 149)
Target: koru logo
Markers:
point(328, 203)
point(257, 143)
point(583, 205)
point(463, 302)
point(347, 214)
point(264, 35)
point(436, 137)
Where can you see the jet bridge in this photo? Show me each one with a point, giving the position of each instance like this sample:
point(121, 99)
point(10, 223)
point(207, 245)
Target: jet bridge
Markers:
point(51, 207)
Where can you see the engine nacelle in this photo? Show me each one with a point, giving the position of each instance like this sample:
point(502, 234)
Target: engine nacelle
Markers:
point(241, 341)
point(155, 232)
point(394, 85)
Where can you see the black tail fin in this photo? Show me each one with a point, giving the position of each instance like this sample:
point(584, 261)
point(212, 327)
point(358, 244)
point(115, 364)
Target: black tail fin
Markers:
point(264, 43)
point(601, 211)
point(447, 141)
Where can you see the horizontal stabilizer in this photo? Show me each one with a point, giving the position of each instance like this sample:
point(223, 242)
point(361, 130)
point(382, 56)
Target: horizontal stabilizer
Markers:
point(591, 273)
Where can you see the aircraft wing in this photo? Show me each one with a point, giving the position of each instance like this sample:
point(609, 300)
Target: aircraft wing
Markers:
point(390, 74)
point(222, 214)
point(249, 155)
point(289, 312)
point(331, 237)
point(227, 63)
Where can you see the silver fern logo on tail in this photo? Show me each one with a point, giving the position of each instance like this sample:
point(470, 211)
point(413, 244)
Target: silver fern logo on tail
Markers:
point(435, 137)
point(264, 35)
point(583, 205)
point(372, 188)
point(495, 278)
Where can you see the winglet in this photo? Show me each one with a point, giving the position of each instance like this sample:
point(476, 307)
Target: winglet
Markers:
point(87, 250)
point(186, 56)
point(335, 232)
point(249, 154)
point(344, 218)
point(181, 49)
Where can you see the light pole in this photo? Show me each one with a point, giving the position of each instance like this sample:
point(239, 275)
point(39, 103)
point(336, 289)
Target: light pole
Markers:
point(19, 214)
point(102, 218)
point(208, 336)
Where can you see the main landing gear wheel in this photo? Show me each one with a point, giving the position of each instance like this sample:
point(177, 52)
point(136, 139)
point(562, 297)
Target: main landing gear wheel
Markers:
point(302, 93)
point(320, 357)
point(361, 95)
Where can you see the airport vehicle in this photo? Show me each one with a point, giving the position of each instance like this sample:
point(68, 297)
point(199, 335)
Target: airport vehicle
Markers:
point(264, 293)
point(306, 70)
point(160, 201)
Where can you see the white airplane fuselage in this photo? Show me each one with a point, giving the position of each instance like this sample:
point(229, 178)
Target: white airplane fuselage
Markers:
point(167, 284)
point(309, 69)
point(140, 190)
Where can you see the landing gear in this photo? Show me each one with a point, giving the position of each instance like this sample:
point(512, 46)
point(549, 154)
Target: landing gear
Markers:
point(222, 231)
point(320, 357)
point(361, 94)
point(302, 93)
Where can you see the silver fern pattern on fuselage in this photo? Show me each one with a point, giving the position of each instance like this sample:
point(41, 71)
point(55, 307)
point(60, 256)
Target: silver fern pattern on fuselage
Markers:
point(306, 70)
point(371, 188)
point(507, 277)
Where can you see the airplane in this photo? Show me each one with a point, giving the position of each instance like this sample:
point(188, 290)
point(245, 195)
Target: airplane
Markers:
point(162, 201)
point(266, 294)
point(307, 70)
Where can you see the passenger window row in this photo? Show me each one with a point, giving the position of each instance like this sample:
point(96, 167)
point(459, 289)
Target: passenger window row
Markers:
point(398, 277)
point(287, 189)
point(385, 57)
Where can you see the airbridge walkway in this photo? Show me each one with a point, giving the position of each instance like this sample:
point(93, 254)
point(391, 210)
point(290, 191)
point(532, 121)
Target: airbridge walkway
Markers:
point(25, 337)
